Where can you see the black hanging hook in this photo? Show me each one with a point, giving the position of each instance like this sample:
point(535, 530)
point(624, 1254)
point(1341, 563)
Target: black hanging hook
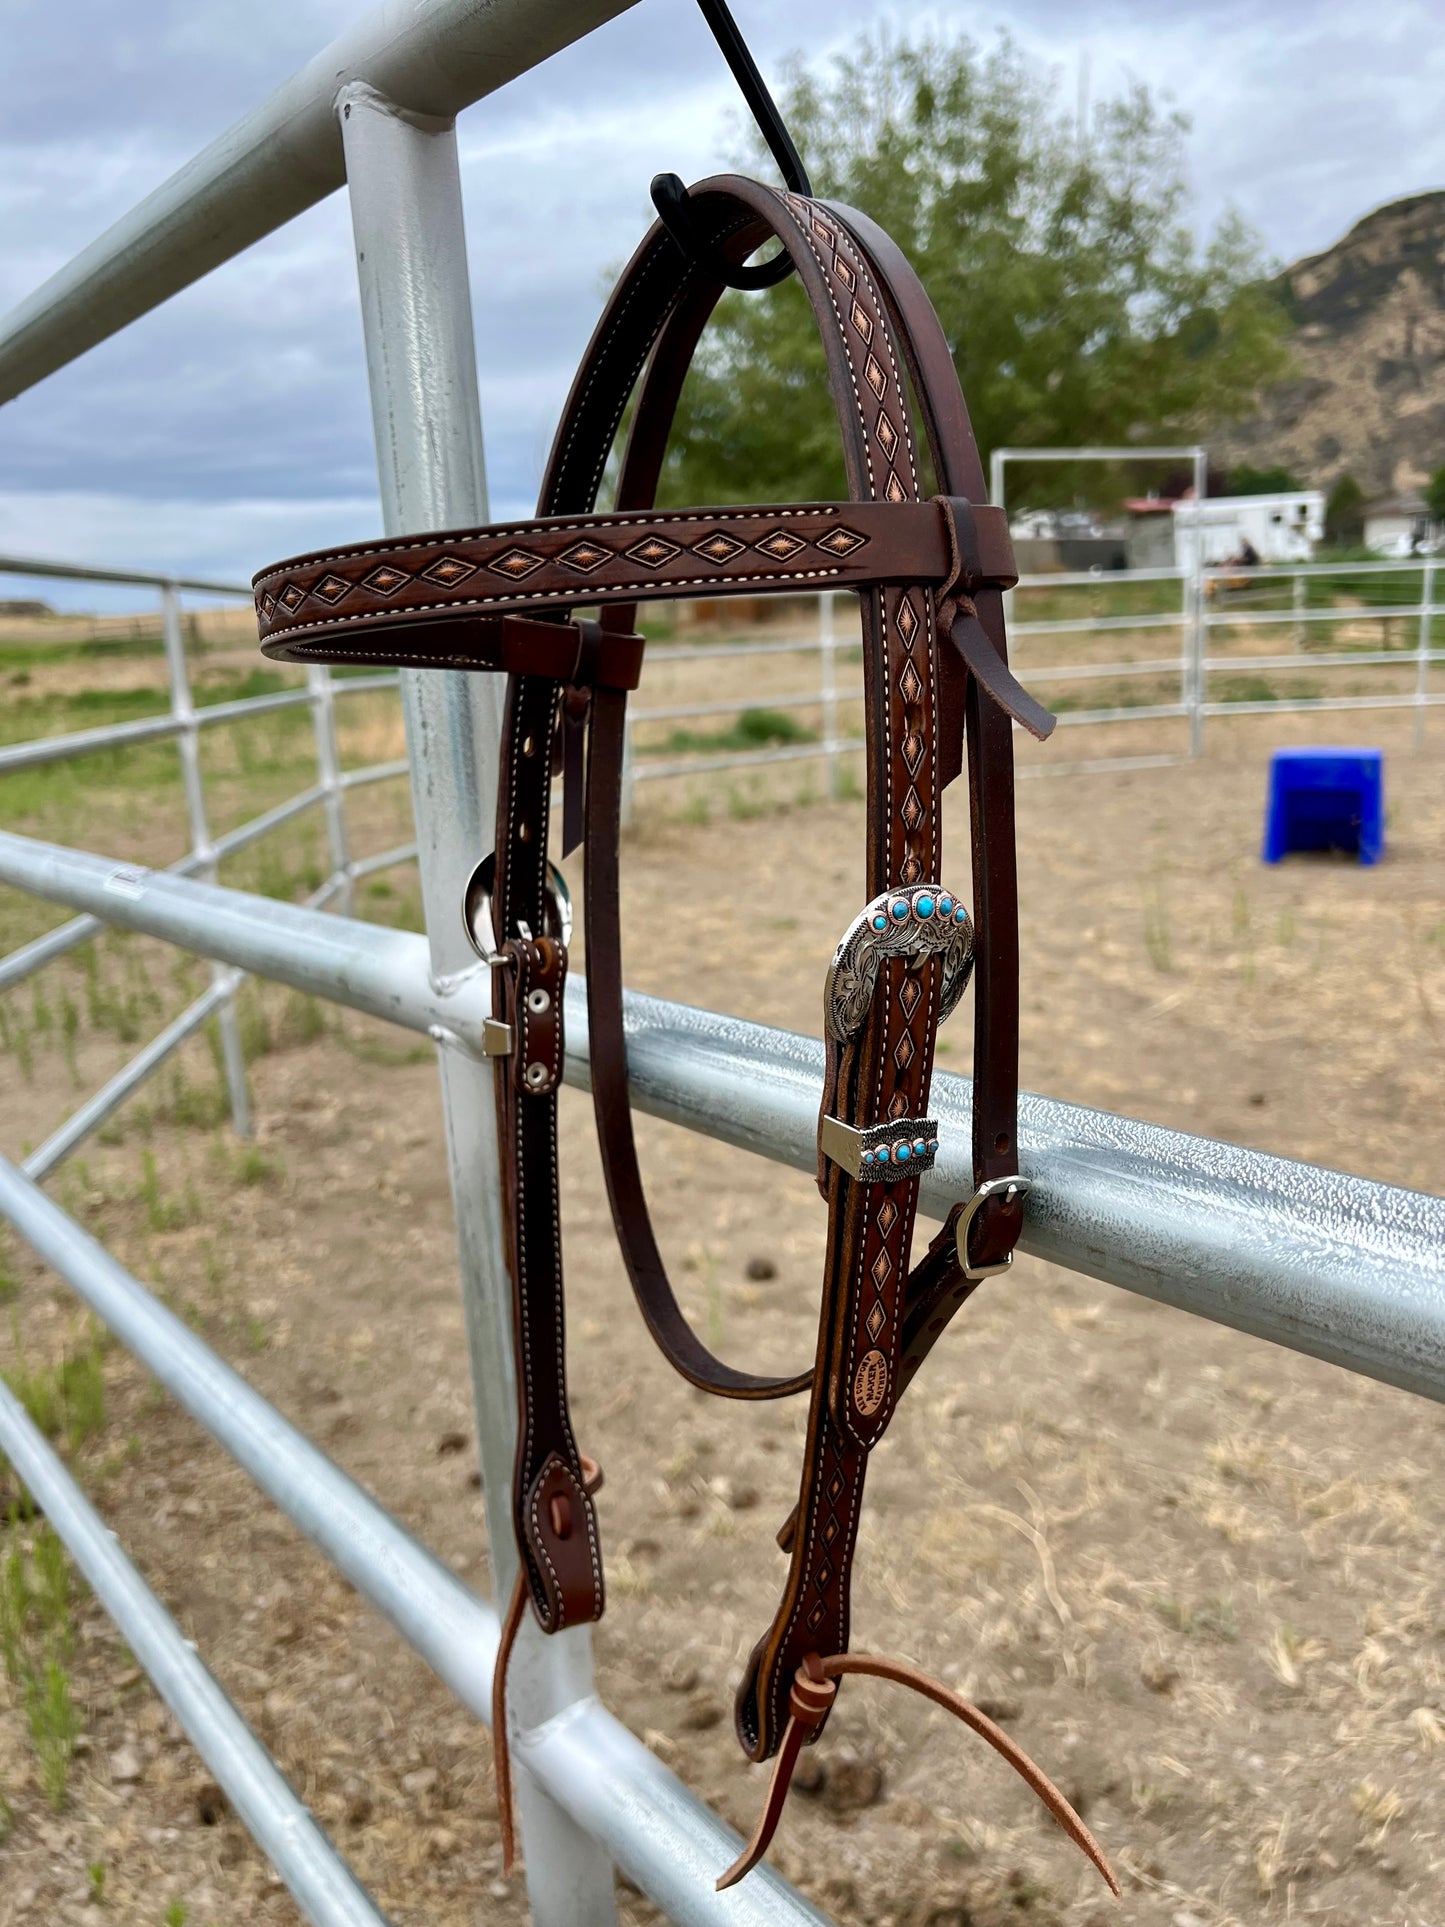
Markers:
point(669, 193)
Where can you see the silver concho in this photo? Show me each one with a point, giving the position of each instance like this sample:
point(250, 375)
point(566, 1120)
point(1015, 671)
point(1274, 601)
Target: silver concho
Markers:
point(921, 921)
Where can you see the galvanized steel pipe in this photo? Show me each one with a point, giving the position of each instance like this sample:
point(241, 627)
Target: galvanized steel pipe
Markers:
point(430, 56)
point(654, 1828)
point(323, 1886)
point(1341, 1267)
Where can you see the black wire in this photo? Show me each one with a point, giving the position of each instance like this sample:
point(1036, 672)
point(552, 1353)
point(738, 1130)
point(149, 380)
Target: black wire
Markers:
point(761, 105)
point(669, 193)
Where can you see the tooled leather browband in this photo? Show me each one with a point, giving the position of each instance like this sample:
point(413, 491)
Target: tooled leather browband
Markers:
point(330, 606)
point(929, 574)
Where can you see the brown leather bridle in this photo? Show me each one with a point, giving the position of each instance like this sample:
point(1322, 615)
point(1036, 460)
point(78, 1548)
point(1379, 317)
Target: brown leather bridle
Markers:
point(929, 570)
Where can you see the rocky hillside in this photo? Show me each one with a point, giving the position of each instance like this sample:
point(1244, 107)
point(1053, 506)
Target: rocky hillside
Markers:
point(1368, 397)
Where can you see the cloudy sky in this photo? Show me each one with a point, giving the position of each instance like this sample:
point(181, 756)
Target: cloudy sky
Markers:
point(148, 451)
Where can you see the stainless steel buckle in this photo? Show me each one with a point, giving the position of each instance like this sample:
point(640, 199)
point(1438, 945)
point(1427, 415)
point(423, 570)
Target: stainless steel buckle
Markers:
point(1015, 1187)
point(477, 911)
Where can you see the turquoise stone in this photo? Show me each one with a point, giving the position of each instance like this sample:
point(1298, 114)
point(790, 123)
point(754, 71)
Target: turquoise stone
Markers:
point(898, 909)
point(960, 915)
point(945, 906)
point(933, 1145)
point(902, 1153)
point(880, 923)
point(920, 1145)
point(924, 906)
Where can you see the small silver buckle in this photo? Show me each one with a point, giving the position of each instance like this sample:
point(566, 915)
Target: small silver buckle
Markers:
point(1016, 1187)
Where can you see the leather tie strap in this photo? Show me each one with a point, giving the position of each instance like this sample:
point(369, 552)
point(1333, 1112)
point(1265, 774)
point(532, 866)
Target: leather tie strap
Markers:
point(813, 1692)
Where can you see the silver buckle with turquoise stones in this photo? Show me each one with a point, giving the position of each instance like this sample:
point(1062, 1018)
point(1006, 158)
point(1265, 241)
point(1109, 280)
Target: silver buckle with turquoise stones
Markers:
point(883, 1153)
point(1013, 1187)
point(917, 923)
point(921, 921)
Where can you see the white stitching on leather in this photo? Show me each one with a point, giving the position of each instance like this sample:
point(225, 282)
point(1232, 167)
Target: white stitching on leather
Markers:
point(598, 524)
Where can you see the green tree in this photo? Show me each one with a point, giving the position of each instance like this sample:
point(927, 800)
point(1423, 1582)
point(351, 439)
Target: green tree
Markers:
point(1078, 303)
point(1344, 514)
point(1435, 495)
point(1279, 480)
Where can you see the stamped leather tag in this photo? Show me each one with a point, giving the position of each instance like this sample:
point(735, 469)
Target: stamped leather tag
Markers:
point(870, 1383)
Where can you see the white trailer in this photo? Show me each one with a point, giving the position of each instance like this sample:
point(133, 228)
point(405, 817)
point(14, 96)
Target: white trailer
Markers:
point(1279, 528)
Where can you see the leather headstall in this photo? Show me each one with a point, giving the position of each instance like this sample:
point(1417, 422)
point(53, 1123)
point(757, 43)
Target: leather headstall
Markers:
point(929, 570)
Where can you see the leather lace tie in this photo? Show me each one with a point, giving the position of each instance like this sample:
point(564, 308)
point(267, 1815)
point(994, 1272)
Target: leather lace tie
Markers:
point(815, 1687)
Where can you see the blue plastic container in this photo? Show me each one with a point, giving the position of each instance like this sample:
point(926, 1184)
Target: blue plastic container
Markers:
point(1326, 799)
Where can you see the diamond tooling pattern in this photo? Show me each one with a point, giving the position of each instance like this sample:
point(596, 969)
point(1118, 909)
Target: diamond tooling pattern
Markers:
point(448, 569)
point(585, 556)
point(385, 580)
point(718, 547)
point(652, 551)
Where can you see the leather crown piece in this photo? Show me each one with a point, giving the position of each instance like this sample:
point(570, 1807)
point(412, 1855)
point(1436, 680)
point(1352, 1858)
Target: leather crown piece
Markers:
point(929, 564)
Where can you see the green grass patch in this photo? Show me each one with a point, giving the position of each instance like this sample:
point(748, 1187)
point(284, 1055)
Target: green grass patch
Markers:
point(754, 729)
point(37, 1642)
point(66, 1400)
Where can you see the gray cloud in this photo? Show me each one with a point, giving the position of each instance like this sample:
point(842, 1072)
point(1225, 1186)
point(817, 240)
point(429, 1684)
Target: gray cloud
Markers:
point(232, 424)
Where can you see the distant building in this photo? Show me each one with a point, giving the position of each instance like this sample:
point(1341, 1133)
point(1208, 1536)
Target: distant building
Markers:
point(1073, 540)
point(1186, 534)
point(1401, 525)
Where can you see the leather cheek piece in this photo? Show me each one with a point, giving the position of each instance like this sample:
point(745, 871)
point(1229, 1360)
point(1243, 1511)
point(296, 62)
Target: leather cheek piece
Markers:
point(541, 975)
point(561, 1532)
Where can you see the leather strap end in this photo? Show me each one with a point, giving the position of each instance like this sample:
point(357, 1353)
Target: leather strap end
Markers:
point(994, 676)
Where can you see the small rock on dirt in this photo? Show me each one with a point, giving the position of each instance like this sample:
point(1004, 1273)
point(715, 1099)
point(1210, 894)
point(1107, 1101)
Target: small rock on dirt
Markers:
point(1093, 1776)
point(854, 1781)
point(760, 1270)
point(701, 1714)
point(736, 1494)
point(210, 1803)
point(450, 1442)
point(679, 1673)
point(125, 1766)
point(1158, 1675)
point(420, 1781)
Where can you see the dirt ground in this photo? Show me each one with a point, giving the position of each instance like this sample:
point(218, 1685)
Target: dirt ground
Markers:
point(1198, 1578)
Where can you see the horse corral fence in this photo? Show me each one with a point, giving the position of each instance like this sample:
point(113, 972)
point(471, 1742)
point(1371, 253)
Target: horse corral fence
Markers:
point(1215, 609)
point(1348, 1270)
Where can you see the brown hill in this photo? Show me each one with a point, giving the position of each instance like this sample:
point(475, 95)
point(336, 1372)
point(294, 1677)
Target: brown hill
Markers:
point(1368, 394)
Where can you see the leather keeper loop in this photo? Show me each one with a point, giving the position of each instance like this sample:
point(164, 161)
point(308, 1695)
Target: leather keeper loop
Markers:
point(539, 975)
point(983, 552)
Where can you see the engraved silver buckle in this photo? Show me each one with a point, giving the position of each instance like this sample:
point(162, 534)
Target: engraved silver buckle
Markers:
point(1015, 1187)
